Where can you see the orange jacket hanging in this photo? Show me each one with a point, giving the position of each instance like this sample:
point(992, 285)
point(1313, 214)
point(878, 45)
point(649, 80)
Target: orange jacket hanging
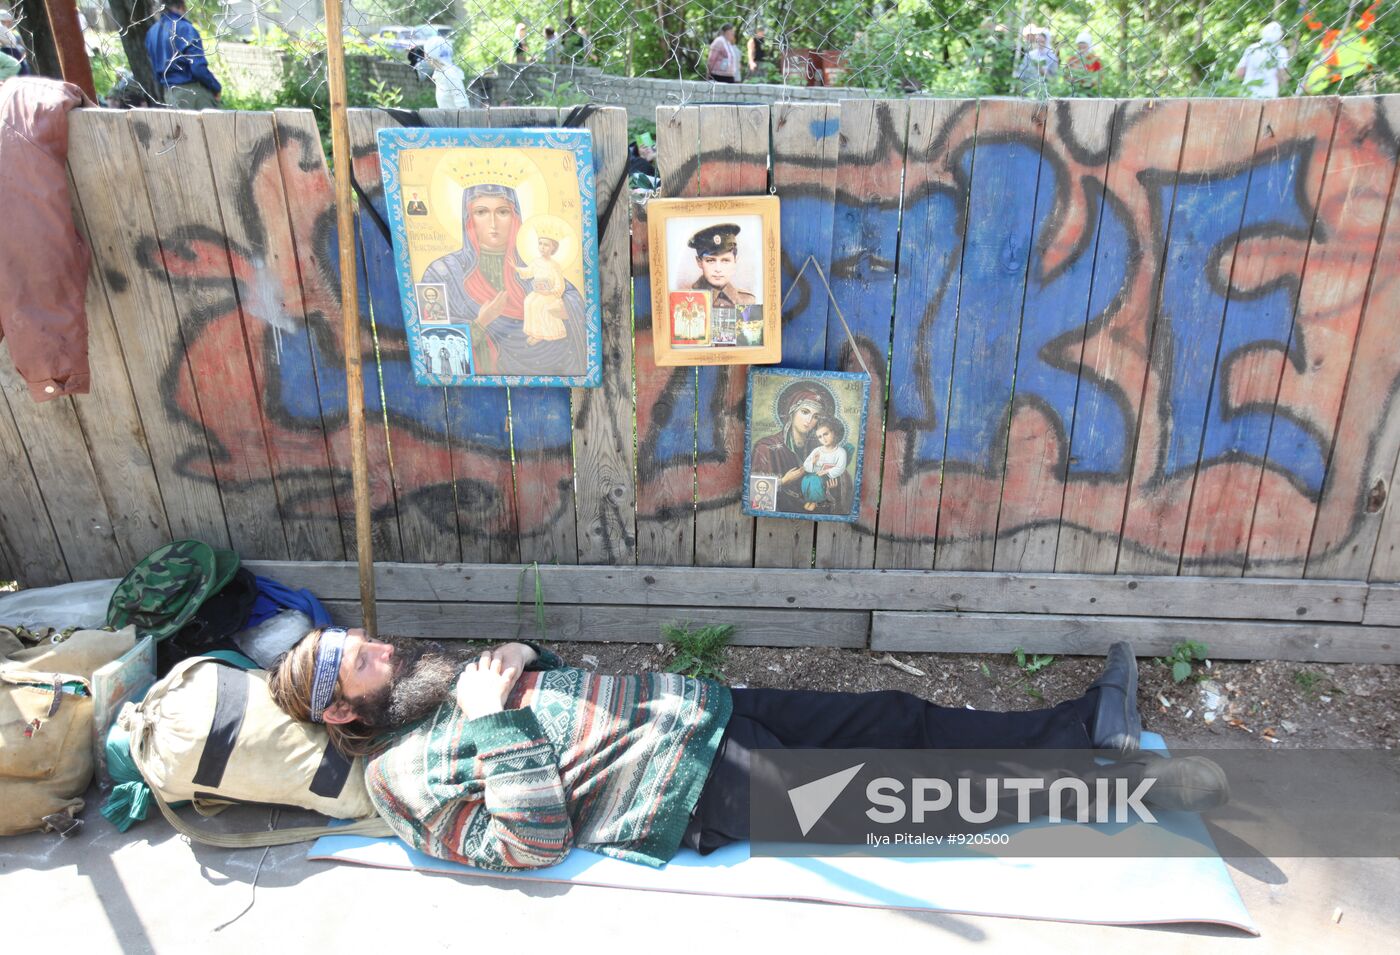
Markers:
point(44, 261)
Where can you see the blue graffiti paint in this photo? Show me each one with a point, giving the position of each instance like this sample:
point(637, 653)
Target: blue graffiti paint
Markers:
point(822, 128)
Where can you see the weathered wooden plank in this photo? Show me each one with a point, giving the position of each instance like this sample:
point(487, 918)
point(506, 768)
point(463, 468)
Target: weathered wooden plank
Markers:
point(931, 231)
point(1350, 212)
point(1290, 158)
point(1226, 640)
point(1207, 214)
point(1382, 606)
point(417, 414)
point(805, 139)
point(311, 215)
point(733, 162)
point(864, 251)
point(29, 548)
point(190, 247)
point(478, 438)
point(115, 438)
point(762, 628)
point(666, 397)
point(253, 203)
point(1069, 208)
point(58, 454)
point(1357, 529)
point(603, 417)
point(541, 423)
point(1147, 136)
point(1005, 172)
point(1232, 598)
point(112, 191)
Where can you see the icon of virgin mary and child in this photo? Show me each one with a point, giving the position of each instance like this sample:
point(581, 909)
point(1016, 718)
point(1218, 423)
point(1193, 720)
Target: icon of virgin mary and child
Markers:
point(808, 453)
point(525, 317)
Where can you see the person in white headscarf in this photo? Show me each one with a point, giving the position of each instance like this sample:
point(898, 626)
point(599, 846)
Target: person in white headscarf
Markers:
point(11, 44)
point(1083, 68)
point(435, 61)
point(1039, 62)
point(1264, 65)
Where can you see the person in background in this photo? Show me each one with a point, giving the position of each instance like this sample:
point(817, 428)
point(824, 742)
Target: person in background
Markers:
point(9, 67)
point(176, 52)
point(10, 43)
point(522, 51)
point(551, 45)
point(641, 163)
point(434, 60)
point(1039, 62)
point(723, 62)
point(1264, 66)
point(1083, 68)
point(758, 50)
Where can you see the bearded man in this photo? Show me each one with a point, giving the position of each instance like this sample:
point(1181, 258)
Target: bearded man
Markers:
point(506, 759)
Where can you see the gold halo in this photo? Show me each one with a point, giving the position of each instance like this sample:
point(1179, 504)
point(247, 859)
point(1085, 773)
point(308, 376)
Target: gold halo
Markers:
point(446, 184)
point(550, 226)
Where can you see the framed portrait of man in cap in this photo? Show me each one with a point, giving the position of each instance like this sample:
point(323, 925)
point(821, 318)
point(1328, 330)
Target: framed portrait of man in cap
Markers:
point(804, 444)
point(719, 257)
point(496, 247)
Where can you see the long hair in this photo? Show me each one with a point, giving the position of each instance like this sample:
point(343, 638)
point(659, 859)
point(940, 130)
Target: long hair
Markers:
point(291, 680)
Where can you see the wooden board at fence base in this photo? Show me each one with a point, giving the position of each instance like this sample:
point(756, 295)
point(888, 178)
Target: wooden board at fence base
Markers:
point(111, 191)
point(1360, 178)
point(864, 250)
point(417, 415)
point(805, 139)
point(1225, 597)
point(541, 431)
point(1147, 139)
point(313, 385)
point(1069, 209)
point(765, 628)
point(1046, 633)
point(603, 417)
point(248, 182)
point(1290, 159)
point(189, 246)
point(733, 161)
point(1207, 215)
point(991, 292)
point(666, 397)
point(930, 259)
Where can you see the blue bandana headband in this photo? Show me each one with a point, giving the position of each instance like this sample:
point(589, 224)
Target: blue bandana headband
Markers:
point(328, 651)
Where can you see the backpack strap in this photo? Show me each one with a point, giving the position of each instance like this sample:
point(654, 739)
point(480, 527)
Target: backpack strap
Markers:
point(372, 826)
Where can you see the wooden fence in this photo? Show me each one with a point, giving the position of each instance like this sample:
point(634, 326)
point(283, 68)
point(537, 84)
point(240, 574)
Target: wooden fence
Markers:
point(1123, 347)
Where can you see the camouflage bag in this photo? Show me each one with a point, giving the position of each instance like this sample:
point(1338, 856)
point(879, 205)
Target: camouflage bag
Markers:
point(166, 589)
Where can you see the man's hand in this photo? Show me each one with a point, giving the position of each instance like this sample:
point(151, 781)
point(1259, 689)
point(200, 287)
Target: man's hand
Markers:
point(514, 655)
point(483, 686)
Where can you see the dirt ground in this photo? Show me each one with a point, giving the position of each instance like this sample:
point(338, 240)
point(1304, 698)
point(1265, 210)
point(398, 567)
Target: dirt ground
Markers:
point(1260, 704)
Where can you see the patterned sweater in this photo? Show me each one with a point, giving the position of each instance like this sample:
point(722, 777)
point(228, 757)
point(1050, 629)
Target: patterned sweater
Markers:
point(609, 763)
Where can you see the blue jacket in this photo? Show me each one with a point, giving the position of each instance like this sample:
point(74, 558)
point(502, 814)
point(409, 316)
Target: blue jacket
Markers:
point(176, 52)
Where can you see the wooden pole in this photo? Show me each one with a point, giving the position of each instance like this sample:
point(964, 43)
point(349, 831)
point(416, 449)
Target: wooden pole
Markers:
point(350, 307)
point(68, 41)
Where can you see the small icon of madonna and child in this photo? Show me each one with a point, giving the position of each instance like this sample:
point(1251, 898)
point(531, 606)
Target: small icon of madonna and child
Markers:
point(809, 456)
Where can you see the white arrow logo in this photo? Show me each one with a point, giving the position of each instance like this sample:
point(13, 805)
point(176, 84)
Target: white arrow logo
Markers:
point(811, 800)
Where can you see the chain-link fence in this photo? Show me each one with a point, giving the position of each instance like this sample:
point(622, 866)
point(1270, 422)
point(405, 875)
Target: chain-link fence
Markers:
point(643, 53)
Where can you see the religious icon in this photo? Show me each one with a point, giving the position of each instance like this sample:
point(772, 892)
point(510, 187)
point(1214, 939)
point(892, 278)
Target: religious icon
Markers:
point(806, 434)
point(432, 304)
point(727, 249)
point(690, 318)
point(495, 237)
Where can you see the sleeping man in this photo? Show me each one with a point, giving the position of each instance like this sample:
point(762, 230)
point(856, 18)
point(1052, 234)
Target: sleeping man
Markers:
point(506, 759)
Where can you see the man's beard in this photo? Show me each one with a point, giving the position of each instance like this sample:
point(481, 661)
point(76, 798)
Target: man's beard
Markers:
point(425, 674)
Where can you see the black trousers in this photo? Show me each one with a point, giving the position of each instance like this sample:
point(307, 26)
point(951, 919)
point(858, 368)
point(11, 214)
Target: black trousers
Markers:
point(887, 719)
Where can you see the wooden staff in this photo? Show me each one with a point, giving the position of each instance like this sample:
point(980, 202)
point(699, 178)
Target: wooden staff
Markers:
point(350, 306)
point(68, 41)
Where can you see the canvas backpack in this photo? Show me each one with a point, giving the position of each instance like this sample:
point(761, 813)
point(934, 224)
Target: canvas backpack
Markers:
point(46, 728)
point(210, 732)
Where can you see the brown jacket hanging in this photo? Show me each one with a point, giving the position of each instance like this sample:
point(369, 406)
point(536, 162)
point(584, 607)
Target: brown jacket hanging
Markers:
point(43, 259)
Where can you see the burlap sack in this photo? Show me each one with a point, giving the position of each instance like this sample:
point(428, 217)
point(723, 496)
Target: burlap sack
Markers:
point(45, 731)
point(210, 732)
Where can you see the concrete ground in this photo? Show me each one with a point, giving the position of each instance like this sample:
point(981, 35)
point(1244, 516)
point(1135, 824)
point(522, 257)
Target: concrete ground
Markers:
point(148, 890)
